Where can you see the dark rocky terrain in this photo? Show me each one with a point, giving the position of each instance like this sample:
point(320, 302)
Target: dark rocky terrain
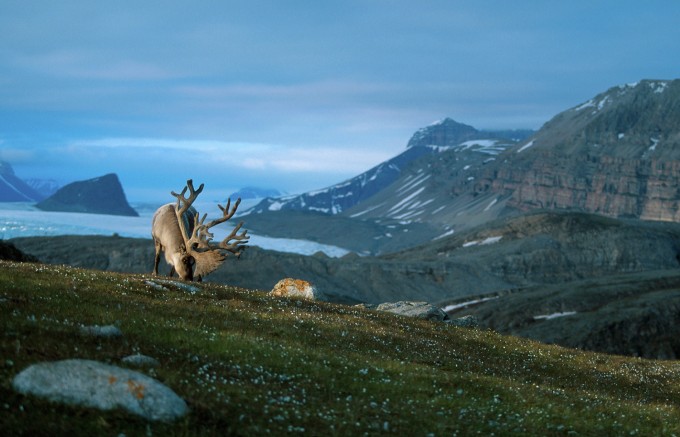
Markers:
point(634, 314)
point(102, 195)
point(9, 252)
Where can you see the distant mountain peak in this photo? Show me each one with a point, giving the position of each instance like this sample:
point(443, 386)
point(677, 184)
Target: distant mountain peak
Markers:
point(100, 195)
point(255, 193)
point(443, 133)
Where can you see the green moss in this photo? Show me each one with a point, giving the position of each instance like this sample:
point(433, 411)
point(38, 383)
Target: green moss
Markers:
point(247, 364)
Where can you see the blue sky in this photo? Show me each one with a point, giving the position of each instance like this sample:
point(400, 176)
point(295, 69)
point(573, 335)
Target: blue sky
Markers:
point(296, 95)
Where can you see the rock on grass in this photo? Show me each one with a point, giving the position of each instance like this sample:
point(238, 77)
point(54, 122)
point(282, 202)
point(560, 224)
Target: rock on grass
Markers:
point(97, 385)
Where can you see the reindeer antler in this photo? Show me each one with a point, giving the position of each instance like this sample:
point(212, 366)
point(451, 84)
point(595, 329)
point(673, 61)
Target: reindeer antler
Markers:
point(197, 235)
point(183, 205)
point(203, 236)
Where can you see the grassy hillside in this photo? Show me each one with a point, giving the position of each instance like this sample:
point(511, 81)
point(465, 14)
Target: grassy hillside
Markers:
point(250, 364)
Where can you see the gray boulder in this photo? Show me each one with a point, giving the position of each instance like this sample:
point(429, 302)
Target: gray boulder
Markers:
point(97, 385)
point(421, 310)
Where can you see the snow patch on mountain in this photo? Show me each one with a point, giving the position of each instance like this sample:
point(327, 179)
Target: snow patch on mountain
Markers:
point(488, 146)
point(658, 87)
point(468, 303)
point(484, 242)
point(526, 146)
point(340, 197)
point(554, 315)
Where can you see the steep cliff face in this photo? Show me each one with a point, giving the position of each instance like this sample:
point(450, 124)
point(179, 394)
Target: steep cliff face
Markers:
point(617, 154)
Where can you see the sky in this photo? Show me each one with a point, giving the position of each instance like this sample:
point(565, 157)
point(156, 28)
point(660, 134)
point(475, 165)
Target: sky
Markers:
point(296, 95)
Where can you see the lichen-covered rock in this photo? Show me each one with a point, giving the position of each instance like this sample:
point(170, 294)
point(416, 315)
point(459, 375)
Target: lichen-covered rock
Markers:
point(421, 310)
point(296, 288)
point(97, 385)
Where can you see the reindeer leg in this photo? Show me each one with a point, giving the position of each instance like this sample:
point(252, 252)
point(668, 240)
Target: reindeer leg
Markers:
point(158, 257)
point(172, 271)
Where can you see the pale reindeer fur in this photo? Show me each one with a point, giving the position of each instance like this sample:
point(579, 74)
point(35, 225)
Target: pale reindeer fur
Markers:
point(167, 237)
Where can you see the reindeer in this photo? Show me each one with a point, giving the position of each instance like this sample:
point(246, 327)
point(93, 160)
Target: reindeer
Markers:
point(187, 241)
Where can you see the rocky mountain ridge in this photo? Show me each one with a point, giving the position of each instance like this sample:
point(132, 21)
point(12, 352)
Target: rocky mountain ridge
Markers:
point(440, 136)
point(617, 154)
point(403, 202)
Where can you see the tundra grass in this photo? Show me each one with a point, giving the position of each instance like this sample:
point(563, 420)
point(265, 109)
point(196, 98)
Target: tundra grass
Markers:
point(250, 364)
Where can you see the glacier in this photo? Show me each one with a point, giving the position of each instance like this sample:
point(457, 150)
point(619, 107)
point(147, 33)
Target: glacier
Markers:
point(22, 219)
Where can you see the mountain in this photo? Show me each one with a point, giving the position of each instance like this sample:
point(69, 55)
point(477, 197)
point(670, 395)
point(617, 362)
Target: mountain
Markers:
point(618, 154)
point(102, 195)
point(246, 193)
point(402, 202)
point(46, 187)
point(338, 198)
point(13, 189)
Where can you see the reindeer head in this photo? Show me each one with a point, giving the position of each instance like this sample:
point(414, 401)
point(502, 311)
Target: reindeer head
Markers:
point(185, 266)
point(200, 255)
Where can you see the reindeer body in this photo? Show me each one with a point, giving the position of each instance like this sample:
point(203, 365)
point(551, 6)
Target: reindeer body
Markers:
point(168, 238)
point(187, 241)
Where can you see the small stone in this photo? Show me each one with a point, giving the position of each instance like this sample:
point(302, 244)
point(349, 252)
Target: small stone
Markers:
point(140, 360)
point(107, 331)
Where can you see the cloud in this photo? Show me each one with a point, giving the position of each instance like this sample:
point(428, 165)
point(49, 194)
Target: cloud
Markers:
point(15, 155)
point(148, 166)
point(314, 161)
point(86, 64)
point(222, 154)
